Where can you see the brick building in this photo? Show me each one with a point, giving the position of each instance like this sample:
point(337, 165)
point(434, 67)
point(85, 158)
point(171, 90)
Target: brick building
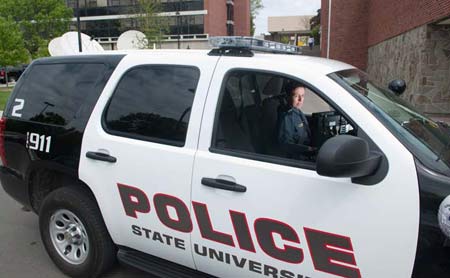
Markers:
point(195, 20)
point(408, 39)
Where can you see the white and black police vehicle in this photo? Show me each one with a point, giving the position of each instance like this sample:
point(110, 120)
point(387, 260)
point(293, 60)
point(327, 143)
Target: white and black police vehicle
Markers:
point(168, 161)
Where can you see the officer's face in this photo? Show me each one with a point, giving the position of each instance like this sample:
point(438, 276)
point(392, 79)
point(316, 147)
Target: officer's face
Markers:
point(298, 97)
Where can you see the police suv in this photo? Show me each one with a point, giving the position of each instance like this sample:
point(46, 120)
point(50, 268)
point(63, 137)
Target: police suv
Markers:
point(169, 161)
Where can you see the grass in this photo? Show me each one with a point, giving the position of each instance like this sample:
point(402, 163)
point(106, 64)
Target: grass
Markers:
point(4, 94)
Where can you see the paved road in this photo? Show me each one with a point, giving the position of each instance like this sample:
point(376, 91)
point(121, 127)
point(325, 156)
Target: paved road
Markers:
point(21, 251)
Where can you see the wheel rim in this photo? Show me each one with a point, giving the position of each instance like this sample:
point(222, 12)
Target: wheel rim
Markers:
point(69, 237)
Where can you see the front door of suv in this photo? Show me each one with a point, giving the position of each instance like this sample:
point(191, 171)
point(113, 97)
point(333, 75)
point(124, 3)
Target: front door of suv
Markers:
point(138, 151)
point(263, 215)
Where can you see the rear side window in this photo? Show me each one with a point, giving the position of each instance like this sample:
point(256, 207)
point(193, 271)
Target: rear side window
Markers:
point(153, 103)
point(55, 94)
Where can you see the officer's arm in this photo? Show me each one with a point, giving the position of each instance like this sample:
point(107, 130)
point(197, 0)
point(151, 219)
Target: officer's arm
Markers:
point(286, 132)
point(298, 148)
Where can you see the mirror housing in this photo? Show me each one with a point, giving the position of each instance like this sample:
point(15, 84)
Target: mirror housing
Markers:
point(398, 86)
point(346, 156)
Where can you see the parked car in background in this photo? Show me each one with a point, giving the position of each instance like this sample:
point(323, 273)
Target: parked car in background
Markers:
point(12, 73)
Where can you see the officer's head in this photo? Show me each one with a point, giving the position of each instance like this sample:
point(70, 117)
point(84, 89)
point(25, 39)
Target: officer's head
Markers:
point(295, 95)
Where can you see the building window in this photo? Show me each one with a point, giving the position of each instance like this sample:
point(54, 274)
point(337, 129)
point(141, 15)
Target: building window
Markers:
point(189, 25)
point(182, 5)
point(230, 12)
point(230, 30)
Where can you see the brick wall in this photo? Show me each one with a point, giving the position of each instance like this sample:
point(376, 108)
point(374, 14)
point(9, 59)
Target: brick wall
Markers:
point(359, 24)
point(348, 31)
point(216, 19)
point(242, 17)
point(388, 18)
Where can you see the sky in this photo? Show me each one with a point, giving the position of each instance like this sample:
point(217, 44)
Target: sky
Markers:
point(282, 8)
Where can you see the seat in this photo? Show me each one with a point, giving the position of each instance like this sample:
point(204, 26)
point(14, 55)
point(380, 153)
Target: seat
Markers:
point(271, 108)
point(250, 110)
point(230, 133)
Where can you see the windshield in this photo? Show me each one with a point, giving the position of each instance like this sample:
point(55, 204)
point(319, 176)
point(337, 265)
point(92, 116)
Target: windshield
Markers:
point(428, 140)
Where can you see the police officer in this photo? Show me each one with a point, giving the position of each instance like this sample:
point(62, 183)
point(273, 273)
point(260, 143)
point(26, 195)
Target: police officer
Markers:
point(294, 134)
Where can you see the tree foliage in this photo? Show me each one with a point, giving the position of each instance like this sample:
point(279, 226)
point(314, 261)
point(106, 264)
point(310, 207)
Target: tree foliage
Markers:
point(315, 27)
point(39, 20)
point(315, 20)
point(255, 7)
point(12, 50)
point(149, 22)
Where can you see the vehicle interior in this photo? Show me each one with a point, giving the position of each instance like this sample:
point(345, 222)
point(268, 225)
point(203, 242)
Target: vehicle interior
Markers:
point(251, 106)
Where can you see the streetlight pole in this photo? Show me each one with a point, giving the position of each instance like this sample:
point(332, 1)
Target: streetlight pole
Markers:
point(80, 48)
point(329, 29)
point(178, 28)
point(178, 23)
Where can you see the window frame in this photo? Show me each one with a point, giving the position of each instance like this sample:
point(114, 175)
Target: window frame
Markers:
point(156, 140)
point(263, 157)
point(391, 126)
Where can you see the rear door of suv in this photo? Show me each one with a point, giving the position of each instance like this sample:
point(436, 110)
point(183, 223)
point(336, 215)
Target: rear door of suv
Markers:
point(138, 151)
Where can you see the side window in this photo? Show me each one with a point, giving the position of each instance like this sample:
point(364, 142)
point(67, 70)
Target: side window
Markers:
point(272, 116)
point(314, 104)
point(153, 103)
point(55, 94)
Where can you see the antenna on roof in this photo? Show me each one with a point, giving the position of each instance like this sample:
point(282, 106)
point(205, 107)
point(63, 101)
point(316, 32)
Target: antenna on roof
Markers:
point(242, 46)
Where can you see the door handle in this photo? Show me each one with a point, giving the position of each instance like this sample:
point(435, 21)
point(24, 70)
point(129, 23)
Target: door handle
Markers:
point(101, 156)
point(223, 184)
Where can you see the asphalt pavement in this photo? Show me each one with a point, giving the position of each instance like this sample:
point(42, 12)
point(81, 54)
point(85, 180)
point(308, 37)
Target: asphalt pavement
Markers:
point(21, 251)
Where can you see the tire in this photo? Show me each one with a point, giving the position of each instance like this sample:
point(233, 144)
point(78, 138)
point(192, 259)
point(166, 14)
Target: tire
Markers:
point(70, 217)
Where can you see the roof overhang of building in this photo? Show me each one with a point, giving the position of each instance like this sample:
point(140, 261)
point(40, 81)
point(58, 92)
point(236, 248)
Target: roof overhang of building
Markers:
point(298, 32)
point(444, 22)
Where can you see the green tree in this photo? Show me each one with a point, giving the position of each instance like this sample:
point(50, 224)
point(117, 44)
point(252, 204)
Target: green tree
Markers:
point(255, 7)
point(39, 20)
point(285, 39)
point(315, 27)
point(315, 32)
point(150, 23)
point(12, 50)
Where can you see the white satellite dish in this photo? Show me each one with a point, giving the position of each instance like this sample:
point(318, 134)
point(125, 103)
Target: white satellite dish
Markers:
point(55, 47)
point(131, 40)
point(67, 44)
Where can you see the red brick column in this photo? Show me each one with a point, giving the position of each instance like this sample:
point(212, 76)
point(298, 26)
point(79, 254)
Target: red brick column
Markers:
point(242, 17)
point(216, 19)
point(349, 31)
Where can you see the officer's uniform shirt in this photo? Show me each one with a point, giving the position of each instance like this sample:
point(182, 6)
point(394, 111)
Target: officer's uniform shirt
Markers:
point(294, 128)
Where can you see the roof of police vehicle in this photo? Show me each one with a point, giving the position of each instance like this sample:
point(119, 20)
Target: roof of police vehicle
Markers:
point(319, 65)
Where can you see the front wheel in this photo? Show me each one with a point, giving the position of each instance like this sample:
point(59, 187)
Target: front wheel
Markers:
point(74, 234)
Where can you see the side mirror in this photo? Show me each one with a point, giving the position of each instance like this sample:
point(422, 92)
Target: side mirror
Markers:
point(346, 156)
point(398, 86)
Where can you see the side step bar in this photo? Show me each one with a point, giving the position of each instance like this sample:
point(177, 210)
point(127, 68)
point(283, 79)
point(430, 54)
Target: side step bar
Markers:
point(157, 266)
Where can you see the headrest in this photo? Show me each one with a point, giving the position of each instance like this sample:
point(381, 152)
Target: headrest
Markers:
point(274, 86)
